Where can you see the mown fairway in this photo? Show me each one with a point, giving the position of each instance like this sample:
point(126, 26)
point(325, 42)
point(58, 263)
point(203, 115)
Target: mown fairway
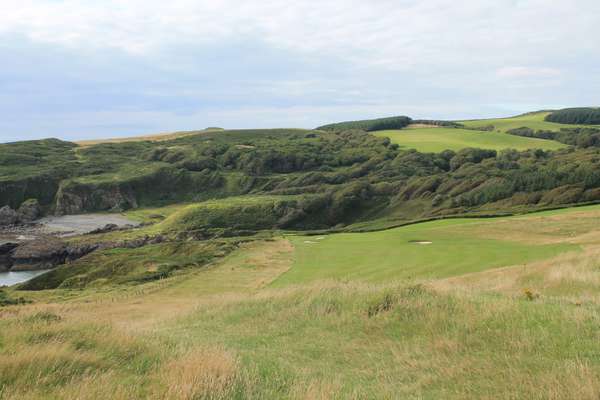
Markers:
point(533, 120)
point(458, 246)
point(439, 139)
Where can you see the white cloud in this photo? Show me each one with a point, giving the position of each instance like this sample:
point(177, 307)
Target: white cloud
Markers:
point(527, 72)
point(395, 34)
point(152, 65)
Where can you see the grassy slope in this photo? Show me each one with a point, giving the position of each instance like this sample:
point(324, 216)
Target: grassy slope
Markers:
point(430, 139)
point(532, 120)
point(439, 139)
point(222, 332)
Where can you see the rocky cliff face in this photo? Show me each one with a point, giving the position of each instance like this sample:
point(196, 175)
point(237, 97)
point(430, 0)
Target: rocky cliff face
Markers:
point(76, 199)
point(5, 255)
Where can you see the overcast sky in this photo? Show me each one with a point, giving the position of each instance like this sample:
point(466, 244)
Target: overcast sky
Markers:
point(77, 69)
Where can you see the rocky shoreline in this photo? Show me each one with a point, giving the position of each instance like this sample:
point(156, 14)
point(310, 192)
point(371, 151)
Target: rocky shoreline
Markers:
point(28, 243)
point(47, 252)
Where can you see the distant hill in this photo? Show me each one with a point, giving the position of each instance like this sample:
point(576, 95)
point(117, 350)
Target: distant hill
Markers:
point(154, 138)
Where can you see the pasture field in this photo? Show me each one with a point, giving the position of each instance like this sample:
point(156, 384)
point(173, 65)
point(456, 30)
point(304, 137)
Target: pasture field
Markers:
point(254, 325)
point(435, 140)
point(534, 121)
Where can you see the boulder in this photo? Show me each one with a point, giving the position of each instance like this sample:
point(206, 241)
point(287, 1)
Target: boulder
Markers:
point(29, 211)
point(8, 216)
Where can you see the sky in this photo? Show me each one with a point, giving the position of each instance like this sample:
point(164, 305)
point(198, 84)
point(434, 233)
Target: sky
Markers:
point(82, 69)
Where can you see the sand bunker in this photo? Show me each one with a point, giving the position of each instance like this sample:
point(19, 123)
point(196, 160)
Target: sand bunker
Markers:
point(420, 242)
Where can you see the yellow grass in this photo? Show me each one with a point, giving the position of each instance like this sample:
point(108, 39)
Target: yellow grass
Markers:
point(202, 373)
point(224, 332)
point(158, 137)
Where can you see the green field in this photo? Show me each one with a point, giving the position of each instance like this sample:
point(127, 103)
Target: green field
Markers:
point(439, 139)
point(457, 247)
point(531, 120)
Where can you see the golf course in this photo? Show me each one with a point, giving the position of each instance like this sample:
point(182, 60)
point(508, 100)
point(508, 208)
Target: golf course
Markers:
point(295, 314)
point(370, 259)
point(299, 200)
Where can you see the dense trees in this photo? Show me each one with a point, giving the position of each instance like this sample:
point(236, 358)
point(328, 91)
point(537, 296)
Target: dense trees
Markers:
point(580, 116)
point(580, 137)
point(369, 125)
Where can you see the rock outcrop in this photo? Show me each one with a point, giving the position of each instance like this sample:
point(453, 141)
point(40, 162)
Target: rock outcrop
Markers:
point(41, 253)
point(8, 216)
point(47, 252)
point(29, 211)
point(111, 228)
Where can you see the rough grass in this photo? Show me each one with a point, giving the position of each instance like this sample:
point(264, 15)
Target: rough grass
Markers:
point(225, 332)
point(327, 341)
point(130, 266)
point(434, 140)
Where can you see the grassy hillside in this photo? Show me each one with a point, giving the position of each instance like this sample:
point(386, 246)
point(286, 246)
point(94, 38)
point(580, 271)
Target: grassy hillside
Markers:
point(159, 137)
point(536, 121)
point(225, 330)
point(352, 176)
point(438, 139)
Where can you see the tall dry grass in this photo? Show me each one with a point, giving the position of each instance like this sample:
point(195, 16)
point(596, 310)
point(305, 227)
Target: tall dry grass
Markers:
point(475, 336)
point(205, 373)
